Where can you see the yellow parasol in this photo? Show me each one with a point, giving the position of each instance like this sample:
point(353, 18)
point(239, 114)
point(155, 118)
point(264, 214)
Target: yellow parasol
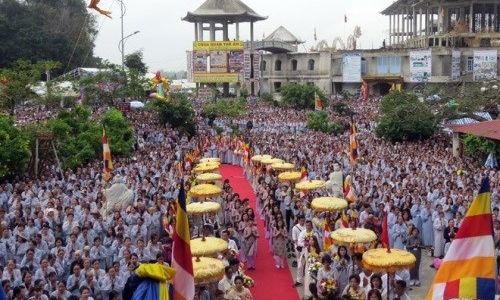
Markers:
point(203, 207)
point(383, 260)
point(328, 204)
point(270, 161)
point(207, 246)
point(310, 185)
point(353, 235)
point(204, 190)
point(289, 176)
point(206, 167)
point(258, 158)
point(210, 159)
point(204, 177)
point(283, 166)
point(207, 269)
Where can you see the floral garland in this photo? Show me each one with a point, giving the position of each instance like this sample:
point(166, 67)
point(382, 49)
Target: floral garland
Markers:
point(248, 281)
point(307, 237)
point(328, 285)
point(314, 264)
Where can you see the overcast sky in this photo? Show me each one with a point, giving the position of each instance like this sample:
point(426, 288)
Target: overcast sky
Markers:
point(164, 37)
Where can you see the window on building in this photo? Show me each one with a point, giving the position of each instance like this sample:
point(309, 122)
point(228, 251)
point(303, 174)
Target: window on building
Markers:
point(277, 65)
point(364, 66)
point(294, 65)
point(310, 65)
point(277, 86)
point(470, 64)
point(382, 65)
point(395, 65)
point(263, 65)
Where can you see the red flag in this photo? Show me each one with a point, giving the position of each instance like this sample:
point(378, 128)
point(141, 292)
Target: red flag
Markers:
point(345, 18)
point(385, 233)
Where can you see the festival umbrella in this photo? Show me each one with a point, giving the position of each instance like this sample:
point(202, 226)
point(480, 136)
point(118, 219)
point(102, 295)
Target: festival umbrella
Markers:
point(207, 270)
point(283, 166)
point(259, 157)
point(383, 260)
point(206, 167)
point(204, 177)
point(207, 246)
point(204, 190)
point(310, 185)
point(388, 260)
point(203, 207)
point(328, 204)
point(289, 176)
point(270, 161)
point(210, 159)
point(353, 235)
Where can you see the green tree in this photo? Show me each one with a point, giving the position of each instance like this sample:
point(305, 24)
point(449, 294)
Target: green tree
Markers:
point(135, 61)
point(58, 30)
point(479, 148)
point(78, 138)
point(108, 84)
point(320, 122)
point(405, 118)
point(17, 83)
point(301, 95)
point(178, 112)
point(14, 151)
point(225, 108)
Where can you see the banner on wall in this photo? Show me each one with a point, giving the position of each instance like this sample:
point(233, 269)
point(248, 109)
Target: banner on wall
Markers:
point(485, 65)
point(189, 57)
point(351, 67)
point(420, 66)
point(456, 57)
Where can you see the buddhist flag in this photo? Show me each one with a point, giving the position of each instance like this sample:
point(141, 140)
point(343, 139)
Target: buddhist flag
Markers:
point(348, 190)
point(345, 18)
point(327, 240)
point(468, 270)
point(303, 173)
point(385, 233)
point(181, 251)
point(353, 143)
point(315, 37)
point(318, 106)
point(108, 164)
point(345, 220)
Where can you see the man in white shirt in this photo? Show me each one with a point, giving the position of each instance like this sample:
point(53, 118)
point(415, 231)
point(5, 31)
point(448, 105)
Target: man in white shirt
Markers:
point(226, 283)
point(296, 230)
point(231, 243)
point(301, 245)
point(400, 290)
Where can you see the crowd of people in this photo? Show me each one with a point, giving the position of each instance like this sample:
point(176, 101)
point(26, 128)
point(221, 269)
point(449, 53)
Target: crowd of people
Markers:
point(56, 244)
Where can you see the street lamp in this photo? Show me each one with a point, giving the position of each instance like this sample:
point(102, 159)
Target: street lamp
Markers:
point(121, 46)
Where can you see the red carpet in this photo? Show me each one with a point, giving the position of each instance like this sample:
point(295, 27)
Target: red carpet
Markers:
point(270, 283)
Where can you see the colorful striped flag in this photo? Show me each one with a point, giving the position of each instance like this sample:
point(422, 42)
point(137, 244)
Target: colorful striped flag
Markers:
point(468, 270)
point(181, 251)
point(353, 143)
point(385, 233)
point(348, 190)
point(345, 220)
point(108, 164)
point(303, 173)
point(327, 240)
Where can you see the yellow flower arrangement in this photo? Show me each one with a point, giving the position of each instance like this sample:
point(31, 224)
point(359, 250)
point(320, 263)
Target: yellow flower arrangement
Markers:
point(248, 281)
point(328, 285)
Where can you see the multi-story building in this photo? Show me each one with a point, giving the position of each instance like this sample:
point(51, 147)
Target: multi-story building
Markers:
point(429, 42)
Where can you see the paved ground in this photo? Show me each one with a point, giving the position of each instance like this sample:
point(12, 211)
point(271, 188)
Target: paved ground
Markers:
point(417, 293)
